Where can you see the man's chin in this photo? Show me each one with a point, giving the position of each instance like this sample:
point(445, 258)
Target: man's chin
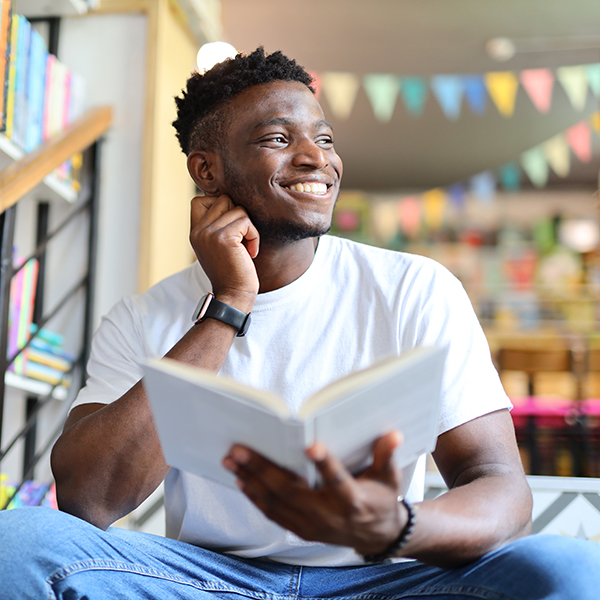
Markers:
point(278, 234)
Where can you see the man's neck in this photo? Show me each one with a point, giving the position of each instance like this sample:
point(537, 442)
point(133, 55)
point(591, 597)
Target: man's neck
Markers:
point(278, 266)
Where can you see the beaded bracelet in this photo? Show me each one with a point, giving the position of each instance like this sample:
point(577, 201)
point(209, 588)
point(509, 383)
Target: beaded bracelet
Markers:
point(400, 541)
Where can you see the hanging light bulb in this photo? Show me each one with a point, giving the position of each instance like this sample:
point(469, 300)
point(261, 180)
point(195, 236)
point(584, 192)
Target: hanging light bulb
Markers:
point(212, 53)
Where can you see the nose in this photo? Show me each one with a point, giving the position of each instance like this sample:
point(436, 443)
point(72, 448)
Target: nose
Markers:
point(309, 153)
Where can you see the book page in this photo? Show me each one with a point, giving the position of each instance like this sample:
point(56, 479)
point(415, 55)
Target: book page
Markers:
point(242, 392)
point(338, 390)
point(197, 425)
point(406, 399)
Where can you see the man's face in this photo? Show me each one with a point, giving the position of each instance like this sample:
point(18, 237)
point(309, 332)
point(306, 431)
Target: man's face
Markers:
point(280, 164)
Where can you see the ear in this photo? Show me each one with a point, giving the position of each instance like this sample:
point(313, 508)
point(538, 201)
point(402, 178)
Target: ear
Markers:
point(204, 168)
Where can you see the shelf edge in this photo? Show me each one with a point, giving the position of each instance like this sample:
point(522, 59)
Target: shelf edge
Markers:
point(25, 174)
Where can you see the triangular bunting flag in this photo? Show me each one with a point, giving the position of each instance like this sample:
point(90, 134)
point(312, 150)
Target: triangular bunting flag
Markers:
point(448, 90)
point(409, 216)
point(414, 92)
point(575, 82)
point(580, 139)
point(502, 86)
point(382, 90)
point(434, 203)
point(483, 186)
point(475, 93)
point(538, 84)
point(595, 121)
point(593, 74)
point(317, 83)
point(535, 165)
point(557, 153)
point(340, 89)
point(458, 195)
point(510, 176)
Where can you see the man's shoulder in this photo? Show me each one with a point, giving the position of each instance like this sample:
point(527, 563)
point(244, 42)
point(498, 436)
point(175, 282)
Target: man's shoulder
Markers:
point(175, 292)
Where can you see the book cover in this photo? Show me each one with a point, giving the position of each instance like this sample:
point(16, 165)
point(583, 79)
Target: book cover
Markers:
point(5, 28)
point(199, 415)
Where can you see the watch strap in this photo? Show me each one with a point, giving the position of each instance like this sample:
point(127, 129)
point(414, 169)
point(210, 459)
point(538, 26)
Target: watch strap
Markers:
point(211, 308)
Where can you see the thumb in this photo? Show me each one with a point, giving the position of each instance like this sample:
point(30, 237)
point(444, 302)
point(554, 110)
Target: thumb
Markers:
point(383, 453)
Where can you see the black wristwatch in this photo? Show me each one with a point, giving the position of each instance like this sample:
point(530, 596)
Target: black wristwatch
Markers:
point(211, 308)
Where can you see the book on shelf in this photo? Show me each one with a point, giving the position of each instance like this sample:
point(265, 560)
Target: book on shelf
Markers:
point(12, 77)
point(35, 91)
point(21, 77)
point(22, 300)
point(5, 28)
point(200, 415)
point(42, 95)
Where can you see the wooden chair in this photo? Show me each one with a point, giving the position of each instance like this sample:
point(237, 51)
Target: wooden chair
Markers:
point(533, 413)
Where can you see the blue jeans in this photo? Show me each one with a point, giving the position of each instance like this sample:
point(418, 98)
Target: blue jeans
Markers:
point(47, 554)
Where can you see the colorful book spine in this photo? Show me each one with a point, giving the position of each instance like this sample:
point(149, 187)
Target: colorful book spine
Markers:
point(48, 85)
point(36, 342)
point(12, 76)
point(35, 87)
point(20, 117)
point(48, 359)
point(16, 288)
point(5, 28)
point(46, 374)
point(26, 301)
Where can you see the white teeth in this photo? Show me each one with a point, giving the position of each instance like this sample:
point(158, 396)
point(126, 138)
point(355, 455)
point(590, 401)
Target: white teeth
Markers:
point(309, 188)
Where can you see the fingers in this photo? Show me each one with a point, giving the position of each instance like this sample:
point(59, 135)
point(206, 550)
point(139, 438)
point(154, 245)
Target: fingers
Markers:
point(333, 472)
point(208, 209)
point(383, 450)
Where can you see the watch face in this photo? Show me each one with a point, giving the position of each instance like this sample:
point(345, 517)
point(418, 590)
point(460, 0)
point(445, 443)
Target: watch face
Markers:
point(203, 307)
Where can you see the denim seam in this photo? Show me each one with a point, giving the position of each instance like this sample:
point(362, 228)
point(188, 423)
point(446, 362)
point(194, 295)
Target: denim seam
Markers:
point(432, 591)
point(104, 565)
point(296, 576)
point(458, 590)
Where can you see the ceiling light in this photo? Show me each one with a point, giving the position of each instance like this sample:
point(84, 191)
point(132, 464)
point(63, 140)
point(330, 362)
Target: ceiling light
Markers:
point(212, 53)
point(500, 48)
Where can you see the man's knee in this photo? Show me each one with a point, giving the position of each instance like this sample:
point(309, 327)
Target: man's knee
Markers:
point(32, 533)
point(565, 567)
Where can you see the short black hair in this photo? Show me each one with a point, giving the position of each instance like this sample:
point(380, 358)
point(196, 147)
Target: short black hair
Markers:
point(200, 119)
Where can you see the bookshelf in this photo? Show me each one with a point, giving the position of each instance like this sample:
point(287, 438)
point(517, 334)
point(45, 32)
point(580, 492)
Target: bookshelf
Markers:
point(51, 8)
point(27, 179)
point(48, 234)
point(9, 153)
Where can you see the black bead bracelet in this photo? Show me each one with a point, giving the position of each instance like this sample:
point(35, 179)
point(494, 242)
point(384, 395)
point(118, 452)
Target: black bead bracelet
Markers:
point(400, 541)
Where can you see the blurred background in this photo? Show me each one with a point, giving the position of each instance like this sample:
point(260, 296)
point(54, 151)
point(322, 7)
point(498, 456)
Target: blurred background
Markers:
point(469, 131)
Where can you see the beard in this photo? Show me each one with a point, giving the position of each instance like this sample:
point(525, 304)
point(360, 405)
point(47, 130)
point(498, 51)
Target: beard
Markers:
point(272, 230)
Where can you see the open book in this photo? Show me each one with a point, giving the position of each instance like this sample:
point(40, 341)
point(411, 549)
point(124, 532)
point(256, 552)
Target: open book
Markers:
point(200, 415)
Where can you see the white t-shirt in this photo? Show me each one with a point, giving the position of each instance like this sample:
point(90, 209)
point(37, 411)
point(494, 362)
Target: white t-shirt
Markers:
point(354, 305)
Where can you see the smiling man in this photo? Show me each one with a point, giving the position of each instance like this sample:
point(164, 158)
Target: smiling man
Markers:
point(262, 153)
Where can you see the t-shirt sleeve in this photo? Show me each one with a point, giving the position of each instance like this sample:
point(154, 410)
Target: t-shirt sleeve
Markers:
point(114, 364)
point(471, 386)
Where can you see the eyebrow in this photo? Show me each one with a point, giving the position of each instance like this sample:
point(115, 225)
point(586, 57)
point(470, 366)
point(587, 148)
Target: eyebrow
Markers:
point(288, 121)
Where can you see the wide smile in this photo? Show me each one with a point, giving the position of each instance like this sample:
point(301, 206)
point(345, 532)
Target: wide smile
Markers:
point(313, 188)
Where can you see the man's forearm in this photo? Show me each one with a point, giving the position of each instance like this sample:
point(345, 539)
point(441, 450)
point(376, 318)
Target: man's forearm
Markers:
point(108, 459)
point(471, 520)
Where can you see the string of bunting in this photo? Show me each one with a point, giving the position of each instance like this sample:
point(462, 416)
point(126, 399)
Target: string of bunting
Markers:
point(429, 208)
point(383, 89)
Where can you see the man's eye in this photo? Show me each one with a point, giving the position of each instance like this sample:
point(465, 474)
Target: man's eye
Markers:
point(326, 141)
point(279, 139)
